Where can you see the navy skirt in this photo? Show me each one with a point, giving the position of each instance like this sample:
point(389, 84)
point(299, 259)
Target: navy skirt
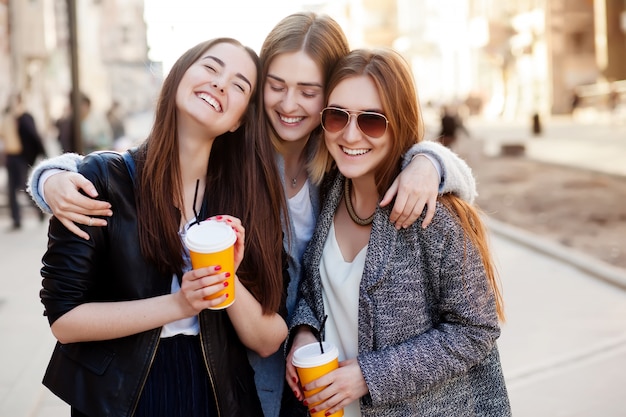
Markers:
point(178, 384)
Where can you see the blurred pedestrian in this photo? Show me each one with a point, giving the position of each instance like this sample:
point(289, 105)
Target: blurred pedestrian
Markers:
point(614, 103)
point(413, 312)
point(95, 130)
point(575, 102)
point(65, 128)
point(22, 147)
point(451, 123)
point(116, 121)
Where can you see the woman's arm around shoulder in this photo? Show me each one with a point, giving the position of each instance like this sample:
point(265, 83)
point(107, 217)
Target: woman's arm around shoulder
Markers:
point(55, 185)
point(456, 175)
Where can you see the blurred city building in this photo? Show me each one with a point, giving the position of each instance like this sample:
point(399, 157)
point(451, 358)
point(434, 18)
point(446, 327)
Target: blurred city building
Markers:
point(507, 58)
point(112, 54)
point(504, 58)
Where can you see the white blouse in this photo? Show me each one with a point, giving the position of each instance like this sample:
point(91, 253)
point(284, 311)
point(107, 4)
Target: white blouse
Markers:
point(340, 290)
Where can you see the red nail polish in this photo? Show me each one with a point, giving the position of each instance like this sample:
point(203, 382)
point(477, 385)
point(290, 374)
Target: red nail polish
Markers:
point(218, 267)
point(327, 413)
point(226, 295)
point(294, 379)
point(227, 274)
point(306, 404)
point(312, 410)
point(226, 284)
point(229, 220)
point(219, 217)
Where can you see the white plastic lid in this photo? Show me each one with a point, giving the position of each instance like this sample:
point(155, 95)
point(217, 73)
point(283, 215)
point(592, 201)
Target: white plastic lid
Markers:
point(209, 236)
point(310, 355)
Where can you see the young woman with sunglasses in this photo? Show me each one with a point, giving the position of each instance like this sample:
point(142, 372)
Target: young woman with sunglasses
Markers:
point(414, 312)
point(136, 336)
point(297, 57)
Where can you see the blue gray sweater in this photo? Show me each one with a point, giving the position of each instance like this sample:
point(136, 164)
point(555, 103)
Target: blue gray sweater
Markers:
point(427, 320)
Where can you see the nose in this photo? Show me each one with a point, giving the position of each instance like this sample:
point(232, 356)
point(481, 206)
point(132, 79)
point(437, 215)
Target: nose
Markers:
point(289, 102)
point(352, 133)
point(218, 84)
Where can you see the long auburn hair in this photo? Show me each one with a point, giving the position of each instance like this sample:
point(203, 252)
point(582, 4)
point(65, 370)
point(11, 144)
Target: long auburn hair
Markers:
point(394, 81)
point(242, 180)
point(318, 35)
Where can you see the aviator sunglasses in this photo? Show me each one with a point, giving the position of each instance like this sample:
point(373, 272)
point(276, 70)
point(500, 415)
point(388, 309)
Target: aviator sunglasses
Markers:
point(369, 123)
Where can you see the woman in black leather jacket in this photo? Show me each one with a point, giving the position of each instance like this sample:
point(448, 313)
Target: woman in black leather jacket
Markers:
point(135, 336)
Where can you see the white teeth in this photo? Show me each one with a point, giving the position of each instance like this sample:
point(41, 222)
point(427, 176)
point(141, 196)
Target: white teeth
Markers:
point(214, 103)
point(354, 152)
point(290, 119)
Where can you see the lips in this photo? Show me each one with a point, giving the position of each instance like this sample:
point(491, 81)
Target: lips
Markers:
point(290, 120)
point(354, 152)
point(211, 101)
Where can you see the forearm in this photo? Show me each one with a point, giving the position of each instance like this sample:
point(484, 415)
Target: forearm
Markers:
point(456, 175)
point(113, 320)
point(65, 162)
point(262, 333)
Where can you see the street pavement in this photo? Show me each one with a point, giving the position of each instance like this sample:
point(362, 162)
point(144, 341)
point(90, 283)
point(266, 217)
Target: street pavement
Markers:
point(563, 347)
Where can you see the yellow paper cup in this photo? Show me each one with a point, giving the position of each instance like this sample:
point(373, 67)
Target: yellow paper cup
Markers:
point(211, 243)
point(311, 364)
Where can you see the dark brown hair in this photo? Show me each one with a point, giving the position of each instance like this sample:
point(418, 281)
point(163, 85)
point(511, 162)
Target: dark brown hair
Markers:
point(242, 180)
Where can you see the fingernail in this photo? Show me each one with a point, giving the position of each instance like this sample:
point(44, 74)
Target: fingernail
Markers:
point(229, 220)
point(227, 274)
point(306, 404)
point(313, 410)
point(219, 217)
point(218, 267)
point(226, 284)
point(226, 295)
point(294, 379)
point(327, 413)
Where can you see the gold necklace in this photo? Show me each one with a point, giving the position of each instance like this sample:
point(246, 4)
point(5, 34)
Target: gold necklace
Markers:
point(294, 180)
point(355, 218)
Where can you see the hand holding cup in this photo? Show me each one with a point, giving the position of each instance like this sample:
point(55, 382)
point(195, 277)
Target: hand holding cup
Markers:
point(218, 243)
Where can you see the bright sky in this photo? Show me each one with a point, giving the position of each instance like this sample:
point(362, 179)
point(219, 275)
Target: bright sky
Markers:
point(175, 26)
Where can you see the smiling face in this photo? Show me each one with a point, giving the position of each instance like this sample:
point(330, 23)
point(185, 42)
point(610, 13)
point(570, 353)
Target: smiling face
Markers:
point(356, 154)
point(293, 95)
point(215, 91)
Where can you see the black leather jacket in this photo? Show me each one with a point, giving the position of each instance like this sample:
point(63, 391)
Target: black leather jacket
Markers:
point(106, 378)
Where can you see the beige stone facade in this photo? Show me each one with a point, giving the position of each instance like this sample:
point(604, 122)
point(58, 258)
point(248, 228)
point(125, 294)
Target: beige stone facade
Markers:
point(112, 51)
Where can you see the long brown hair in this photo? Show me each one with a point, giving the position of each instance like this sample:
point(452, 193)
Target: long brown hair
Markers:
point(319, 36)
point(242, 180)
point(393, 79)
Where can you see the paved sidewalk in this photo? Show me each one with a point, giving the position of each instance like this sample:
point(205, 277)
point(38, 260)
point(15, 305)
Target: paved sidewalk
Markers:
point(599, 146)
point(563, 347)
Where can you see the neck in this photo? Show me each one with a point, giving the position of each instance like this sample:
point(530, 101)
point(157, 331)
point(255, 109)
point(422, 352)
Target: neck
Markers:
point(361, 199)
point(193, 153)
point(294, 158)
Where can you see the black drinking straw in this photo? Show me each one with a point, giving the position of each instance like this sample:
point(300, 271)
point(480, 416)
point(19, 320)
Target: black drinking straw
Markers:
point(195, 198)
point(320, 333)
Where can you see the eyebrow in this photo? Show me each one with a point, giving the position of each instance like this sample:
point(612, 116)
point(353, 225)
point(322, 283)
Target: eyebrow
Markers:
point(222, 64)
point(273, 77)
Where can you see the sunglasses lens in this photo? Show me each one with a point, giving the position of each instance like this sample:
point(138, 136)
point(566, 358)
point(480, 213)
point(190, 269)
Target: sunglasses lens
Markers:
point(333, 120)
point(372, 124)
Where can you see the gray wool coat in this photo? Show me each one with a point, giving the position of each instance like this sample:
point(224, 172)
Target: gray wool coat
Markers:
point(427, 322)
